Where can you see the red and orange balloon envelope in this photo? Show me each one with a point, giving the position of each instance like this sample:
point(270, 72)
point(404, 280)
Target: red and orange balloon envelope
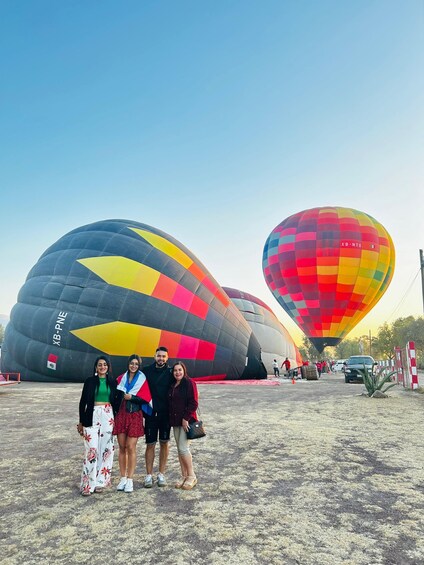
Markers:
point(328, 267)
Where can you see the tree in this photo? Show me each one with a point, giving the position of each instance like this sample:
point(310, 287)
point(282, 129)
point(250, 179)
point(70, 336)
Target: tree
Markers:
point(410, 329)
point(308, 351)
point(1, 335)
point(348, 347)
point(403, 330)
point(385, 343)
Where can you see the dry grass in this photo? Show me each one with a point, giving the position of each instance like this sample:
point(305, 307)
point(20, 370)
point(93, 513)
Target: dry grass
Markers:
point(309, 474)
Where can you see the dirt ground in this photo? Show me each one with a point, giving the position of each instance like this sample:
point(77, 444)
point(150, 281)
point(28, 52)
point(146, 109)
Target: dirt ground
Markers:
point(308, 473)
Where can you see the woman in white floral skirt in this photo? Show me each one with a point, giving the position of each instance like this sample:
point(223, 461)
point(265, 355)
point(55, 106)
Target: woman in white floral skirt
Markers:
point(95, 425)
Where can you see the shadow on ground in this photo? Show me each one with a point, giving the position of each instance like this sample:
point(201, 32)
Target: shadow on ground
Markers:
point(309, 474)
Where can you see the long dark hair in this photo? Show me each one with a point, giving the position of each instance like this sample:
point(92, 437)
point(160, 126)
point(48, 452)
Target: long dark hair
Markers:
point(133, 357)
point(109, 376)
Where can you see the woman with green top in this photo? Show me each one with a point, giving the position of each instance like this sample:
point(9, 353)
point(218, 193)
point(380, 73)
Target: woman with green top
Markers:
point(96, 426)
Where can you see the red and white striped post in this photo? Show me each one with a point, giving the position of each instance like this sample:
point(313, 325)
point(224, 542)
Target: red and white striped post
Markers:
point(399, 366)
point(412, 364)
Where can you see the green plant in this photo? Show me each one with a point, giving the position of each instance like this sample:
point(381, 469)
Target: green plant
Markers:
point(375, 380)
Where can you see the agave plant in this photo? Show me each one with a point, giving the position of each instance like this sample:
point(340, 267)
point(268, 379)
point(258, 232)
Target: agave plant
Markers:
point(376, 379)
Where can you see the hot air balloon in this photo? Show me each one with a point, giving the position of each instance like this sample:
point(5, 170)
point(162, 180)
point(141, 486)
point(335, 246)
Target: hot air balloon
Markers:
point(120, 287)
point(328, 267)
point(273, 337)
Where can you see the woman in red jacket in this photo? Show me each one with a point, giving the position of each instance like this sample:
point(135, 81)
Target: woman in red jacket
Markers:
point(183, 402)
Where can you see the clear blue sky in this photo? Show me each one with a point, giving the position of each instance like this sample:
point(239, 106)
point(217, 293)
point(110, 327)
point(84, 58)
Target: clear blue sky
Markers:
point(212, 121)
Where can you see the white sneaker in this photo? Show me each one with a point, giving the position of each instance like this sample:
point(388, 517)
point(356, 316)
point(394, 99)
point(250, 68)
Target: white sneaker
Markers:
point(122, 483)
point(129, 487)
point(148, 481)
point(161, 480)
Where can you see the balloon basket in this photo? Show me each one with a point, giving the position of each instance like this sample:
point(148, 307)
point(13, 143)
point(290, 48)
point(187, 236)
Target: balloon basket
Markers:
point(309, 373)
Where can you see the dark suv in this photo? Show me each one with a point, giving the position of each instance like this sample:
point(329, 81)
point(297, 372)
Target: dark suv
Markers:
point(355, 364)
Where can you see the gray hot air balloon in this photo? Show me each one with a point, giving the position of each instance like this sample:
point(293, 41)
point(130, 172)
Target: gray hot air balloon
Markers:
point(119, 287)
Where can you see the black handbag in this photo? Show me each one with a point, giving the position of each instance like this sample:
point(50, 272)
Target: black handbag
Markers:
point(196, 430)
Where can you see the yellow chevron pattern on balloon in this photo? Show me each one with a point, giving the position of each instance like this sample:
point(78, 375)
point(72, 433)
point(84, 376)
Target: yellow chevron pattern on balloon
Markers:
point(123, 272)
point(165, 246)
point(127, 273)
point(120, 338)
point(173, 251)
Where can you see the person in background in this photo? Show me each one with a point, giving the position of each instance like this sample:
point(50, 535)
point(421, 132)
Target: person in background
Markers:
point(132, 394)
point(183, 403)
point(275, 367)
point(286, 365)
point(159, 377)
point(95, 425)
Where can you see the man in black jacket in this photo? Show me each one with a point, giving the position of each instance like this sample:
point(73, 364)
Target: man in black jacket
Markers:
point(159, 377)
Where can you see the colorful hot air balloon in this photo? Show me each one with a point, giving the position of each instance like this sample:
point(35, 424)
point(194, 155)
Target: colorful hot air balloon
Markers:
point(328, 267)
point(119, 287)
point(274, 339)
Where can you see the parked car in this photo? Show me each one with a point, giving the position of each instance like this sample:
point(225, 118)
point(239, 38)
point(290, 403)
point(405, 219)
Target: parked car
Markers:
point(355, 364)
point(339, 365)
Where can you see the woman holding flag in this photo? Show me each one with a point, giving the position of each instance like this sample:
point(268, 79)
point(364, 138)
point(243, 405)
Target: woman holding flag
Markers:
point(132, 396)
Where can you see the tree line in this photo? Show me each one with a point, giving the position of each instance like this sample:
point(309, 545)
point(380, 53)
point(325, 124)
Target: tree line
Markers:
point(380, 346)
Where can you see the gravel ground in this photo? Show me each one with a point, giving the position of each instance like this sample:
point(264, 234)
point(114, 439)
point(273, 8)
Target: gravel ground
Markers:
point(309, 474)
